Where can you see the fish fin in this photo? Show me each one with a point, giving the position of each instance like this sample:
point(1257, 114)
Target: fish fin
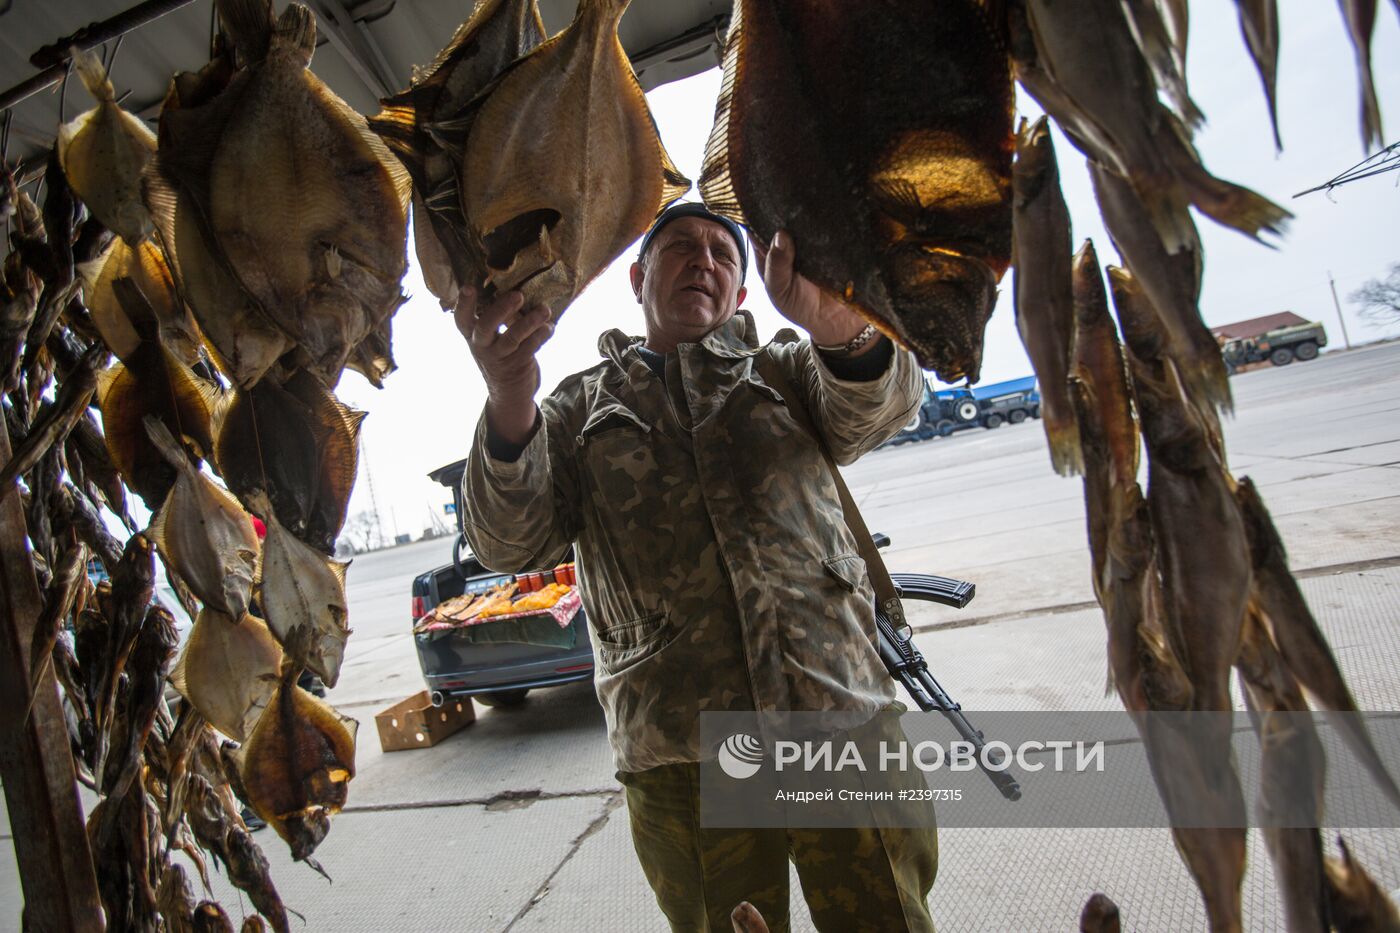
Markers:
point(716, 174)
point(258, 504)
point(900, 199)
point(93, 74)
point(339, 567)
point(248, 24)
point(1224, 202)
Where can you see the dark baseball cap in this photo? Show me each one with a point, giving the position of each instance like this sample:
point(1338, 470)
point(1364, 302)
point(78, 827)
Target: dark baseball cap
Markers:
point(691, 209)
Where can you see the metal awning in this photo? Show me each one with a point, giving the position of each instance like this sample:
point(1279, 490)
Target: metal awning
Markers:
point(366, 49)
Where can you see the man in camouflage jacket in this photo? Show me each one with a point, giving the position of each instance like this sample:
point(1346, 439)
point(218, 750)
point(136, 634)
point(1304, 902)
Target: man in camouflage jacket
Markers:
point(715, 565)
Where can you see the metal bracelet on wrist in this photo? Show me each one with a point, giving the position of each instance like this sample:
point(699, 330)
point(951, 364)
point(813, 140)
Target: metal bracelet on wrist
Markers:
point(867, 333)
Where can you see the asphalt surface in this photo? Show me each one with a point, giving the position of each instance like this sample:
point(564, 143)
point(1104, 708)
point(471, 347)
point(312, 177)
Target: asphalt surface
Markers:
point(517, 822)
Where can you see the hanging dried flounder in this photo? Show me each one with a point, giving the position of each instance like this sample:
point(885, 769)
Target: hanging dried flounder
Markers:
point(427, 125)
point(297, 444)
point(307, 207)
point(891, 172)
point(564, 167)
point(203, 532)
point(228, 671)
point(103, 153)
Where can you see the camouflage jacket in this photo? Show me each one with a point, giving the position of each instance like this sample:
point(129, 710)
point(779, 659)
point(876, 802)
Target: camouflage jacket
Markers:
point(716, 569)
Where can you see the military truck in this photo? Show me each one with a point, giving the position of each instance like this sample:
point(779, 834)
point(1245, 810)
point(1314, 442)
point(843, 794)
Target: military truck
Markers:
point(1279, 346)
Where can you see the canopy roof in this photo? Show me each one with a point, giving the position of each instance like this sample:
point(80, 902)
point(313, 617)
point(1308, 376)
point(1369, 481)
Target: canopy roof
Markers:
point(366, 50)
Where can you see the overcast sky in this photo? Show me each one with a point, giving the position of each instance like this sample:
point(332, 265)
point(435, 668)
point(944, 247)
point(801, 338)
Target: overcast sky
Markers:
point(425, 415)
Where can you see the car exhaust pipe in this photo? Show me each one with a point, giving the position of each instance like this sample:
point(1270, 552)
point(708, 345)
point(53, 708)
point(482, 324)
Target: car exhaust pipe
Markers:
point(437, 698)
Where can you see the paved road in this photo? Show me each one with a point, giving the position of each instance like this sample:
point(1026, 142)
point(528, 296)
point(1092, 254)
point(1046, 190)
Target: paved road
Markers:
point(514, 823)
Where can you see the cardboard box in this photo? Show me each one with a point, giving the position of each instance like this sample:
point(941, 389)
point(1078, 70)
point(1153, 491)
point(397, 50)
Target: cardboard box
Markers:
point(416, 723)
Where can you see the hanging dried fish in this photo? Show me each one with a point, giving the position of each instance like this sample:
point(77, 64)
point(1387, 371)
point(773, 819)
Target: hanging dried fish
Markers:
point(302, 593)
point(427, 125)
point(1172, 282)
point(150, 660)
point(249, 871)
point(170, 322)
point(103, 153)
point(209, 917)
point(908, 218)
point(1080, 62)
point(1042, 285)
point(297, 444)
point(228, 671)
point(153, 383)
point(306, 206)
point(1355, 902)
point(1206, 577)
point(1360, 16)
point(564, 168)
point(298, 763)
point(175, 898)
point(56, 422)
point(1167, 60)
point(88, 449)
point(1259, 24)
point(203, 532)
point(1300, 641)
point(68, 578)
point(1292, 770)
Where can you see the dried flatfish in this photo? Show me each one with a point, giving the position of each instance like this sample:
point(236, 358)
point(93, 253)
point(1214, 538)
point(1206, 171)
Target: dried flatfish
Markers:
point(152, 383)
point(175, 898)
point(203, 532)
point(302, 593)
point(891, 172)
point(297, 764)
point(307, 206)
point(228, 671)
point(426, 126)
point(170, 321)
point(564, 168)
point(1042, 285)
point(103, 153)
point(298, 444)
point(55, 421)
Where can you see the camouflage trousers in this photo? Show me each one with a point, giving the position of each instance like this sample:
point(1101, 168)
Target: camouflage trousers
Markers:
point(866, 878)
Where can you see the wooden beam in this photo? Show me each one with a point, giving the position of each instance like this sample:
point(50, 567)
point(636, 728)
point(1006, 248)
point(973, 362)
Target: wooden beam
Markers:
point(36, 764)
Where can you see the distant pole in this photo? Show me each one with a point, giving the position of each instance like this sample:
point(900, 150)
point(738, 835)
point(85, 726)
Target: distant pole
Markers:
point(1343, 321)
point(373, 500)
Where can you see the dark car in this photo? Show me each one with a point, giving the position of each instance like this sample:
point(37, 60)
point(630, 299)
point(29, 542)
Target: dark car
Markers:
point(460, 662)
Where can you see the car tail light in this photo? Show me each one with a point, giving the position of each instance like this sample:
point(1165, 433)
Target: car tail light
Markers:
point(573, 667)
point(420, 608)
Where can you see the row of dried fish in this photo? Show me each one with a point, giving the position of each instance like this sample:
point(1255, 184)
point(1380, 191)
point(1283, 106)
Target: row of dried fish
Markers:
point(1192, 576)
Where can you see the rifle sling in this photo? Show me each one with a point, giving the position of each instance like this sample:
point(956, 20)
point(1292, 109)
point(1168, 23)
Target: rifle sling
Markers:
point(886, 596)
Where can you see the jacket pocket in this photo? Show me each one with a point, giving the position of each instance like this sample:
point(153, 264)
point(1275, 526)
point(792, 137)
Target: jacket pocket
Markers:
point(848, 570)
point(609, 418)
point(624, 644)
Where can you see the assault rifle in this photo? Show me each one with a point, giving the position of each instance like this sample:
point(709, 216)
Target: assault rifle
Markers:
point(906, 664)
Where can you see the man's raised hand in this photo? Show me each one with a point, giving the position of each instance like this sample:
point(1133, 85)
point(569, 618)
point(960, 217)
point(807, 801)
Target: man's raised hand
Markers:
point(504, 334)
point(829, 320)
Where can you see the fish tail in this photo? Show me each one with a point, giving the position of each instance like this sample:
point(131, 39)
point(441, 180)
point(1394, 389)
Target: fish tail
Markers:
point(248, 24)
point(1225, 202)
point(1062, 434)
point(295, 31)
point(94, 76)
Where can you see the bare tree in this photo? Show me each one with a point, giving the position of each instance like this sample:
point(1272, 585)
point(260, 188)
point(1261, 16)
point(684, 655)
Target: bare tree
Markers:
point(1380, 298)
point(361, 531)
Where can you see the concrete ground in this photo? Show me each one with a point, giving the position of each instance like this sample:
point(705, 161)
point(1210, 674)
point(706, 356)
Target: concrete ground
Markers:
point(517, 821)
